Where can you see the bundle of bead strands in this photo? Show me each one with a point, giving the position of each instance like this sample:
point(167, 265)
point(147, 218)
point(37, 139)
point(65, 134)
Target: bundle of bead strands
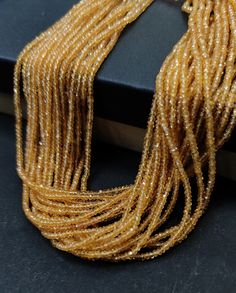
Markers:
point(193, 113)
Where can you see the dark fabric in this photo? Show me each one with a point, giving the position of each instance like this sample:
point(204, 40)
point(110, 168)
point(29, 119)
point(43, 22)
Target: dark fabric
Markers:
point(204, 263)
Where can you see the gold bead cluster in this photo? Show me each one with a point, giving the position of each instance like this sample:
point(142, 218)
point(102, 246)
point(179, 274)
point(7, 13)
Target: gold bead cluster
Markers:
point(193, 113)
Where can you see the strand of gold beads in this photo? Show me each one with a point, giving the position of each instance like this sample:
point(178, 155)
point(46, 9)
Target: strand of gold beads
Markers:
point(193, 113)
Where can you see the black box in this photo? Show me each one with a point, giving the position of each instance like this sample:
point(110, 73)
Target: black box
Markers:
point(124, 85)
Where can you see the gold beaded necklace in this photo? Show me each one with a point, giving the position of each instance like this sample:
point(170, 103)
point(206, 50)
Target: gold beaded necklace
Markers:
point(193, 113)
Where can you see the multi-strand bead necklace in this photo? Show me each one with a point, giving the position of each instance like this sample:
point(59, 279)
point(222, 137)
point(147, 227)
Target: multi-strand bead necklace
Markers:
point(193, 113)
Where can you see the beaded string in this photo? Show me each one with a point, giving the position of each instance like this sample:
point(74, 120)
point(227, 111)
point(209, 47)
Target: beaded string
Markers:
point(193, 113)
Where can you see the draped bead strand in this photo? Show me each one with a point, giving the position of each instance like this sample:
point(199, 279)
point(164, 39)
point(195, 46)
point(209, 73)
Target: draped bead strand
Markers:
point(192, 115)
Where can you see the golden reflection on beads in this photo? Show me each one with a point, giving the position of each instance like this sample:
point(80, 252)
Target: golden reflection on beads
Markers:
point(193, 113)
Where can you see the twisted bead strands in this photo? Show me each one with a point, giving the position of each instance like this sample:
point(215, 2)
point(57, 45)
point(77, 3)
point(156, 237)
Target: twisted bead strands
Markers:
point(193, 113)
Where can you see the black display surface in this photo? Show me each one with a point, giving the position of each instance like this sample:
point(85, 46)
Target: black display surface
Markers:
point(204, 263)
